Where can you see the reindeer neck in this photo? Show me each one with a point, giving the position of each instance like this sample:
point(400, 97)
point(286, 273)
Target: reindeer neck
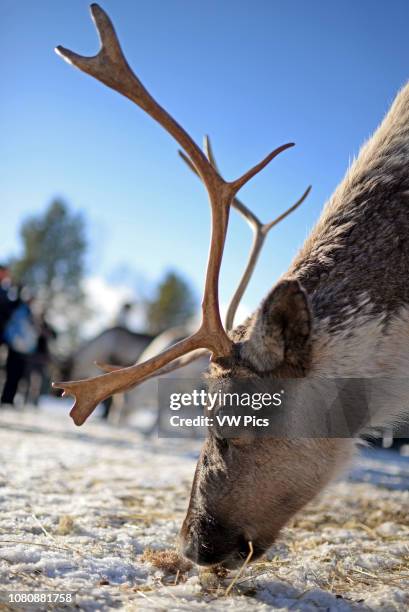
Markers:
point(356, 259)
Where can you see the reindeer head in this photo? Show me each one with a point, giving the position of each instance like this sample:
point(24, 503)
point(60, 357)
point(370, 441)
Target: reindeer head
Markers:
point(246, 489)
point(231, 475)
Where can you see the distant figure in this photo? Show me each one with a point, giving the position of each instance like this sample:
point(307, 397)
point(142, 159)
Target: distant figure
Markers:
point(37, 362)
point(20, 335)
point(116, 345)
point(122, 319)
point(6, 304)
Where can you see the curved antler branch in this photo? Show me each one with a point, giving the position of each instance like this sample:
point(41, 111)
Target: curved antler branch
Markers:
point(259, 229)
point(248, 214)
point(170, 367)
point(110, 67)
point(90, 392)
point(260, 234)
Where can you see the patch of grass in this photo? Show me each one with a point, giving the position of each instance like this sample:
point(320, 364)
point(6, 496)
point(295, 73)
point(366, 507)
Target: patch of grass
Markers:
point(65, 525)
point(169, 561)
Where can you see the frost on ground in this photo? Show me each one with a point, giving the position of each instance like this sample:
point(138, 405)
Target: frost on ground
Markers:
point(83, 509)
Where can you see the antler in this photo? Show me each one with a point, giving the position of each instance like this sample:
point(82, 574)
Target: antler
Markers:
point(111, 68)
point(259, 229)
point(260, 232)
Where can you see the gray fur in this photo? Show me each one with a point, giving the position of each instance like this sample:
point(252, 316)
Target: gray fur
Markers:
point(341, 310)
point(361, 242)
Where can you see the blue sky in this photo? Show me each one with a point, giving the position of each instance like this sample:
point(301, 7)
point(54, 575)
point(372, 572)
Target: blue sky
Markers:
point(252, 74)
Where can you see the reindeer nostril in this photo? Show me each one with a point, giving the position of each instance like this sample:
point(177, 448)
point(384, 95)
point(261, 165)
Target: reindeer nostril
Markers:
point(206, 541)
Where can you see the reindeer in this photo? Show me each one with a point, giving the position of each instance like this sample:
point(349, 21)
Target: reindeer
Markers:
point(117, 344)
point(341, 310)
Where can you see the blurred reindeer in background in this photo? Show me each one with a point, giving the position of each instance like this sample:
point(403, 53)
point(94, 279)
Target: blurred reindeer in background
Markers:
point(118, 345)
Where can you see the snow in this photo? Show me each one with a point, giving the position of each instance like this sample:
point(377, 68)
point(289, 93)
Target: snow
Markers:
point(79, 506)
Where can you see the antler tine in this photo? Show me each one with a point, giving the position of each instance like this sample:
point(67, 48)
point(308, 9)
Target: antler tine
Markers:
point(259, 235)
point(247, 176)
point(248, 214)
point(90, 392)
point(236, 203)
point(268, 226)
point(110, 67)
point(250, 217)
point(259, 229)
point(170, 367)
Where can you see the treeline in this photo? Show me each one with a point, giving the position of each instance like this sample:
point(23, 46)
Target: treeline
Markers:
point(52, 269)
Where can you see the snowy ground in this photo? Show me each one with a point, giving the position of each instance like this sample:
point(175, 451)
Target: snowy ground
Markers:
point(78, 508)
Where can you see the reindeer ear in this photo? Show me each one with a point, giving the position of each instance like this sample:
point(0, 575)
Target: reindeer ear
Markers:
point(281, 330)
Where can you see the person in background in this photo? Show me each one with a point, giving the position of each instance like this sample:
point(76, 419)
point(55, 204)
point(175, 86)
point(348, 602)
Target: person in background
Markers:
point(122, 318)
point(6, 304)
point(21, 336)
point(38, 362)
point(4, 274)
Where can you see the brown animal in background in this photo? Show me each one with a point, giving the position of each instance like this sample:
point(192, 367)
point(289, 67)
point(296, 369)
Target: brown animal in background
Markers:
point(341, 310)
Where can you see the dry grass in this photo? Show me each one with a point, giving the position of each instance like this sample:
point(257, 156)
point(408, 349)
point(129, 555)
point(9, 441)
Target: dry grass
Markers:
point(65, 525)
point(317, 531)
point(349, 543)
point(169, 561)
point(241, 570)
